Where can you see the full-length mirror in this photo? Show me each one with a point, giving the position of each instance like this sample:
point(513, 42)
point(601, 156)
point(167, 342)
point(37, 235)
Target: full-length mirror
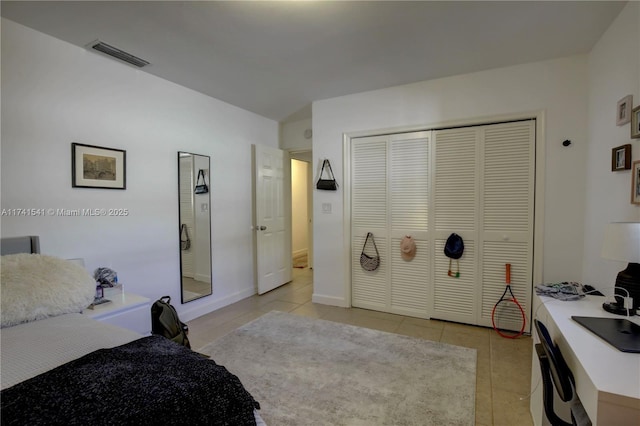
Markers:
point(195, 225)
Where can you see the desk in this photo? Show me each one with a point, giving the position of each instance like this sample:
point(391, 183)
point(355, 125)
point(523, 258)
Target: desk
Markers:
point(607, 380)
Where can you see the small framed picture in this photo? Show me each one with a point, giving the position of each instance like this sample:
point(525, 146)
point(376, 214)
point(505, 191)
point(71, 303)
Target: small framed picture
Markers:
point(623, 111)
point(635, 123)
point(621, 158)
point(635, 183)
point(98, 167)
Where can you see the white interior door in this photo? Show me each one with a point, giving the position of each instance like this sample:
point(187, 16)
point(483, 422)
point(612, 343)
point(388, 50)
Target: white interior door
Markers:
point(272, 217)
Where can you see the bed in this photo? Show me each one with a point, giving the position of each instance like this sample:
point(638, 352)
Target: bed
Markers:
point(61, 367)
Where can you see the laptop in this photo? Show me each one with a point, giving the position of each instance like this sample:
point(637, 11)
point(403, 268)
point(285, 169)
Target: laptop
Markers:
point(621, 333)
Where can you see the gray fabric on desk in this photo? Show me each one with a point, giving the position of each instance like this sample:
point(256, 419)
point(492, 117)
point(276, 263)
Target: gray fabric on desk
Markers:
point(561, 291)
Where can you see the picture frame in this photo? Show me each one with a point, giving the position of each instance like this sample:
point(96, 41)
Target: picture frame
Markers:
point(623, 110)
point(621, 158)
point(635, 123)
point(98, 167)
point(635, 182)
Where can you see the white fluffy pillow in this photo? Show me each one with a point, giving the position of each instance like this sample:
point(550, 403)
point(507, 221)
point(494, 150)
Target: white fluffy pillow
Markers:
point(36, 286)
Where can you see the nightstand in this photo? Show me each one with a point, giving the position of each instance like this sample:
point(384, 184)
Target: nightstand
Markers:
point(125, 310)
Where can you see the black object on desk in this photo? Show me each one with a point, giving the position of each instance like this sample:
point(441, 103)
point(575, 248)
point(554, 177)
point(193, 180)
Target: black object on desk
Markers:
point(590, 290)
point(621, 333)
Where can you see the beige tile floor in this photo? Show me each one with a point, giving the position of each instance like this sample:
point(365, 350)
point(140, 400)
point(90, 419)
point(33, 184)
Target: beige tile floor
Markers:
point(504, 365)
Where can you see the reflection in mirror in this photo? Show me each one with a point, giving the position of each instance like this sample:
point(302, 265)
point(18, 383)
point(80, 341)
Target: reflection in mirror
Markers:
point(195, 225)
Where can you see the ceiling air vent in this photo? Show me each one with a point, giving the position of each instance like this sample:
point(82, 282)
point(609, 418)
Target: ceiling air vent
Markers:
point(117, 53)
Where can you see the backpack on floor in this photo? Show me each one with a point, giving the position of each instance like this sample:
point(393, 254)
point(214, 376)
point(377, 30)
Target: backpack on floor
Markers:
point(165, 322)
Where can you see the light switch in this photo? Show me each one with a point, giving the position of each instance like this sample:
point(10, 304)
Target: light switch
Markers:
point(204, 207)
point(326, 208)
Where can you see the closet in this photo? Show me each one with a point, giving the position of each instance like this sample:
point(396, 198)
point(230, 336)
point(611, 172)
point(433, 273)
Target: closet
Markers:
point(476, 181)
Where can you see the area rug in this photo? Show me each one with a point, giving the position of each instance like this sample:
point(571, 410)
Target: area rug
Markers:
point(306, 371)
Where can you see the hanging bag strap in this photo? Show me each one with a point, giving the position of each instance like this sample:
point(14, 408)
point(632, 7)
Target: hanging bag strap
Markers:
point(200, 173)
point(369, 234)
point(326, 163)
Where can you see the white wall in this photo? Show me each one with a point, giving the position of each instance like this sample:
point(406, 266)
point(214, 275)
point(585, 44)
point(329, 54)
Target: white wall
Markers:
point(299, 215)
point(558, 87)
point(614, 72)
point(293, 135)
point(53, 94)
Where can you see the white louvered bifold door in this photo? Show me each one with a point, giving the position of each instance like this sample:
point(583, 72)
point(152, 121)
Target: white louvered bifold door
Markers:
point(506, 233)
point(389, 198)
point(455, 209)
point(475, 181)
point(369, 289)
point(409, 213)
point(483, 191)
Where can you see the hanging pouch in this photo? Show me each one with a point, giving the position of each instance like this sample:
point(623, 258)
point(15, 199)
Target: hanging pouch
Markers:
point(327, 184)
point(185, 241)
point(201, 188)
point(369, 263)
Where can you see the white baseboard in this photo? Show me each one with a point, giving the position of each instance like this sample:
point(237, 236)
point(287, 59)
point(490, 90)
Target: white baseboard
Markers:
point(210, 306)
point(329, 300)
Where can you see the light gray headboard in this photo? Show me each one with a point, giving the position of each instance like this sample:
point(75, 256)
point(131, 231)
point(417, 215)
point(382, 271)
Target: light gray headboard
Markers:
point(14, 245)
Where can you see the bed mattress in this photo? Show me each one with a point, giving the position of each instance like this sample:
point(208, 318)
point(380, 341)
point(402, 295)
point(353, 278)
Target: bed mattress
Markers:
point(32, 348)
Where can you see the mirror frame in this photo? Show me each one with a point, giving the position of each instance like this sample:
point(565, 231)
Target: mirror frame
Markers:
point(194, 234)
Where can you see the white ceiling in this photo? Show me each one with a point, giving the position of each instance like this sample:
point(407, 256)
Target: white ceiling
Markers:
point(275, 58)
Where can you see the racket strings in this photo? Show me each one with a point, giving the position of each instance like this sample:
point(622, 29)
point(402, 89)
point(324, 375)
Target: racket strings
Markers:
point(508, 318)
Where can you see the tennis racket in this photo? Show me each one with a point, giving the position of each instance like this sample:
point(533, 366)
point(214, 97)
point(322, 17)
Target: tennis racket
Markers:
point(508, 311)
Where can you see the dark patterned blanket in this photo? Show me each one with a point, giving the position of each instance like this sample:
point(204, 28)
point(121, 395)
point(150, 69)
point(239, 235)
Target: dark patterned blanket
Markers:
point(150, 381)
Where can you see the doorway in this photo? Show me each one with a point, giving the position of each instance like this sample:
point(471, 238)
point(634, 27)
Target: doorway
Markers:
point(301, 210)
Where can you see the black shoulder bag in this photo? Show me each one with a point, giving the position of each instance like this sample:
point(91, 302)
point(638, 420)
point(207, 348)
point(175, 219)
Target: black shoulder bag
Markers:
point(201, 188)
point(327, 184)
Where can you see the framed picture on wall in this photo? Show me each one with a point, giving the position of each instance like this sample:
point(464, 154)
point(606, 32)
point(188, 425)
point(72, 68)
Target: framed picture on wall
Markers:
point(621, 158)
point(635, 123)
point(635, 183)
point(98, 167)
point(623, 110)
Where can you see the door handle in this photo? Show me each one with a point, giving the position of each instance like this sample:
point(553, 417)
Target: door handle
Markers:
point(261, 228)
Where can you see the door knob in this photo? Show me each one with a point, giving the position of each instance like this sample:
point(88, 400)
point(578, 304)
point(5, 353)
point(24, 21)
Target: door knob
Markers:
point(262, 228)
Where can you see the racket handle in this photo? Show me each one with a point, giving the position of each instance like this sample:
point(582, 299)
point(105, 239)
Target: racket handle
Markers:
point(508, 266)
